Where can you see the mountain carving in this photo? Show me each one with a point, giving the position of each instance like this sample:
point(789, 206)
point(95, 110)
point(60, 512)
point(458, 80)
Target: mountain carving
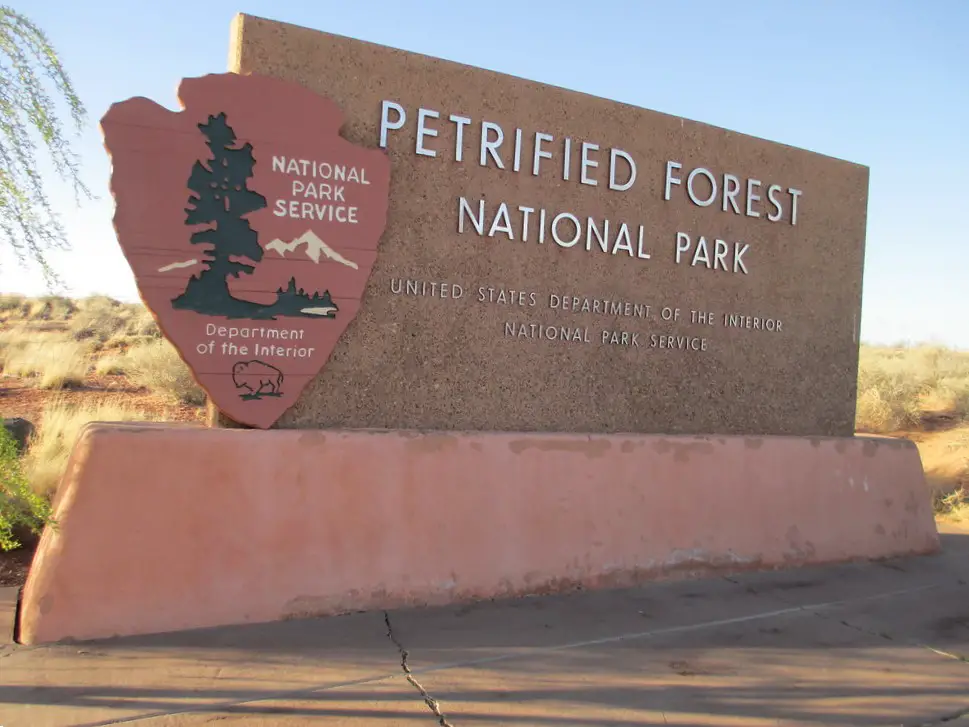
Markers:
point(314, 248)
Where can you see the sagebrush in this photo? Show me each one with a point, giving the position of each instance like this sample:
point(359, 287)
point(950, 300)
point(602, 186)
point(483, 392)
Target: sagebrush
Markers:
point(899, 386)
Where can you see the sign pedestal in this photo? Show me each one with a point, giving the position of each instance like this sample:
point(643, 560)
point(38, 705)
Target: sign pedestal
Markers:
point(163, 528)
point(218, 419)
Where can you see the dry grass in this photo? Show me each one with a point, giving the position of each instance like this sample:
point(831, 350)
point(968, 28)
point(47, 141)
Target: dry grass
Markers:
point(945, 457)
point(52, 339)
point(55, 343)
point(96, 321)
point(13, 339)
point(898, 387)
point(11, 305)
point(110, 365)
point(139, 322)
point(112, 324)
point(922, 392)
point(46, 308)
point(952, 505)
point(50, 447)
point(158, 367)
point(55, 364)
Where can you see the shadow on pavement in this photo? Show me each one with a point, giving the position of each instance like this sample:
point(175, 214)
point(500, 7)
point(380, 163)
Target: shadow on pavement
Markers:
point(855, 644)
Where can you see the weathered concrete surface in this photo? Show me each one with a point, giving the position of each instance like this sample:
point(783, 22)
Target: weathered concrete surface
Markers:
point(858, 644)
point(165, 528)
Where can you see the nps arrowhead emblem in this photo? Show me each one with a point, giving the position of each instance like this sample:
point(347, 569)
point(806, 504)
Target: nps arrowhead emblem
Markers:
point(251, 227)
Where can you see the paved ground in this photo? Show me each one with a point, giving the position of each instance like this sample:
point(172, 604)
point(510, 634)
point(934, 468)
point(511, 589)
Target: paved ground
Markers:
point(865, 644)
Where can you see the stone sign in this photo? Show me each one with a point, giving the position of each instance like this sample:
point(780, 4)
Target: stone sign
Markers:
point(540, 312)
point(251, 228)
point(547, 260)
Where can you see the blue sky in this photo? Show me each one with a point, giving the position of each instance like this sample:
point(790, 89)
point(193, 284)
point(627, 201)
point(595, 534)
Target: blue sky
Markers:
point(877, 82)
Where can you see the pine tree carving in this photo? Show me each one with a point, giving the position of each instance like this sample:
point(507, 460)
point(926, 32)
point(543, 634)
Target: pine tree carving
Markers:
point(221, 199)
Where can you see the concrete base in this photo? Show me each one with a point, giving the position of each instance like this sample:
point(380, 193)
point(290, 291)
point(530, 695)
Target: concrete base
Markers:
point(165, 528)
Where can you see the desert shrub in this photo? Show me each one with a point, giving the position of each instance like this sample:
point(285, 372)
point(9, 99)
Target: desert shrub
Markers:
point(110, 365)
point(59, 364)
point(952, 505)
point(121, 341)
point(13, 340)
point(10, 302)
point(15, 308)
point(140, 323)
point(98, 302)
point(49, 308)
point(60, 425)
point(63, 374)
point(94, 324)
point(12, 305)
point(888, 398)
point(116, 325)
point(20, 506)
point(951, 395)
point(897, 386)
point(158, 367)
point(98, 318)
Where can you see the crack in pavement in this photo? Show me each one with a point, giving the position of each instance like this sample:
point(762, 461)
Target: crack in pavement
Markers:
point(228, 705)
point(428, 699)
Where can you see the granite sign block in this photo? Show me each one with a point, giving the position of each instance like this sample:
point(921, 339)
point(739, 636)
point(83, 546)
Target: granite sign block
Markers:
point(553, 261)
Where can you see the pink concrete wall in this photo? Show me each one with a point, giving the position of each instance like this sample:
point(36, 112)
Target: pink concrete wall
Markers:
point(165, 528)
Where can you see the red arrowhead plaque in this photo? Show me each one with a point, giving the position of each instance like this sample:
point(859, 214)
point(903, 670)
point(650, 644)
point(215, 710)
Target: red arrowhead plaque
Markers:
point(251, 227)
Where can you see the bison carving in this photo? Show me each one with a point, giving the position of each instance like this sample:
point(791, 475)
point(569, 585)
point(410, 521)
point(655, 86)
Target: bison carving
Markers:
point(257, 378)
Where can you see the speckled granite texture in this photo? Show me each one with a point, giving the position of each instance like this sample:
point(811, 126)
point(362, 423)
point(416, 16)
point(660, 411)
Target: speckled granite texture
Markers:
point(432, 362)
